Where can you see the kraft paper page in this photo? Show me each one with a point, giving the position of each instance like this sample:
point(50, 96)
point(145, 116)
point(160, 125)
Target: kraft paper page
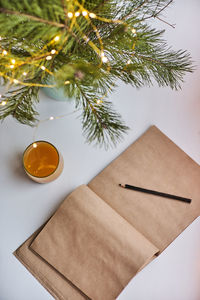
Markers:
point(58, 286)
point(153, 162)
point(93, 246)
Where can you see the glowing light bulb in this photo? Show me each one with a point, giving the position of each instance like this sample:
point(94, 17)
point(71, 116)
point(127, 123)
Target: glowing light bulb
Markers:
point(0, 95)
point(56, 38)
point(13, 61)
point(0, 38)
point(49, 57)
point(43, 68)
point(24, 73)
point(67, 82)
point(99, 101)
point(128, 62)
point(53, 51)
point(51, 118)
point(4, 52)
point(11, 66)
point(77, 13)
point(92, 15)
point(104, 59)
point(15, 81)
point(34, 145)
point(133, 30)
point(84, 13)
point(70, 15)
point(3, 103)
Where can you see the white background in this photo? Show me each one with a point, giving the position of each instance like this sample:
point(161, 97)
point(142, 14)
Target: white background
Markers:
point(25, 205)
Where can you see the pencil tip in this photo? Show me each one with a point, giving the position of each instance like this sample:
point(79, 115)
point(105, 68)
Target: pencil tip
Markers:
point(122, 185)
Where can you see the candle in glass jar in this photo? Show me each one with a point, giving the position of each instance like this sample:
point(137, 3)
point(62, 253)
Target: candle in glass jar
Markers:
point(42, 162)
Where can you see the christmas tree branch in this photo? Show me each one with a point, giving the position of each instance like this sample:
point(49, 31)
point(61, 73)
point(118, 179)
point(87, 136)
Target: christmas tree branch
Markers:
point(163, 8)
point(100, 123)
point(41, 20)
point(88, 101)
point(171, 25)
point(18, 101)
point(135, 9)
point(156, 14)
point(84, 47)
point(65, 10)
point(17, 13)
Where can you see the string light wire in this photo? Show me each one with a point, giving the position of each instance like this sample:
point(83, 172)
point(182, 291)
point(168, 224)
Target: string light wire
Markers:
point(57, 44)
point(57, 40)
point(51, 118)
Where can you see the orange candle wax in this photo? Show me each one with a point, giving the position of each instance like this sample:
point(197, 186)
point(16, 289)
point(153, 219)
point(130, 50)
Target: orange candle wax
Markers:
point(42, 162)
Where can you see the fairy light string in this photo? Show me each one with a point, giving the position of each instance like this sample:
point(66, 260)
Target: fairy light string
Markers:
point(51, 118)
point(18, 71)
point(45, 57)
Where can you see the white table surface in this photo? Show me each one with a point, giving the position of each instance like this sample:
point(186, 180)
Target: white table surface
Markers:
point(25, 205)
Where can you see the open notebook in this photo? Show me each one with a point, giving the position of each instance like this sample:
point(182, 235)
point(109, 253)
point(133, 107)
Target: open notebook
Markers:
point(102, 235)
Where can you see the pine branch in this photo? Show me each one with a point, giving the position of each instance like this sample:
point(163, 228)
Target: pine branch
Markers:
point(30, 17)
point(20, 104)
point(156, 14)
point(163, 8)
point(99, 121)
point(65, 10)
point(136, 55)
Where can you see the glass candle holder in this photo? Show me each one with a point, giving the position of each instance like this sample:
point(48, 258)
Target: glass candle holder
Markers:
point(42, 162)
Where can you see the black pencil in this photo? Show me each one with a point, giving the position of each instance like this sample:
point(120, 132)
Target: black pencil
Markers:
point(139, 189)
